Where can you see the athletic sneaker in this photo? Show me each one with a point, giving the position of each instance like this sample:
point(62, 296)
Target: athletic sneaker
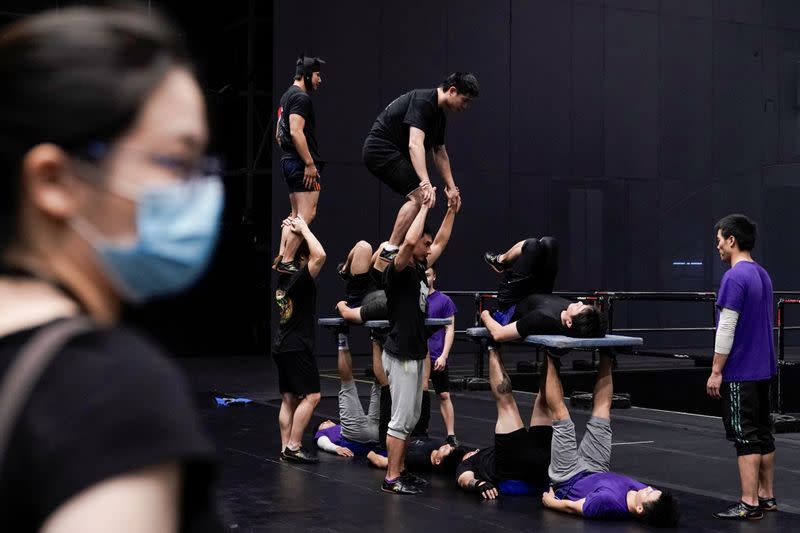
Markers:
point(492, 260)
point(287, 267)
point(767, 504)
point(413, 479)
point(298, 456)
point(342, 272)
point(741, 511)
point(389, 255)
point(452, 440)
point(400, 486)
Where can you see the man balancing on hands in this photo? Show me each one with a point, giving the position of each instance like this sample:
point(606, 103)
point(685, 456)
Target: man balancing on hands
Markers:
point(395, 148)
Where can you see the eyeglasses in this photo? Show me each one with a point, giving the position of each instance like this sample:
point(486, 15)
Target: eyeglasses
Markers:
point(183, 167)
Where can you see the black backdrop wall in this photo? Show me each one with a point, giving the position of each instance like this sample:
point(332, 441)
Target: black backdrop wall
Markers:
point(625, 128)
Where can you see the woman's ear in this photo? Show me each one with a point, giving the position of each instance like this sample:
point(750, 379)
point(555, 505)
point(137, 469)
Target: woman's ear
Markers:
point(47, 179)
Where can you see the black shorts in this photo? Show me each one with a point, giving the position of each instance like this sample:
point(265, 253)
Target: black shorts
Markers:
point(358, 286)
point(293, 172)
point(524, 454)
point(440, 379)
point(390, 166)
point(746, 415)
point(373, 306)
point(297, 373)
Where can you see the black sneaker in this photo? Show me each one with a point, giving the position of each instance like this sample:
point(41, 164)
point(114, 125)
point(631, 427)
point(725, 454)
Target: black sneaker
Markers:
point(287, 267)
point(389, 255)
point(767, 504)
point(492, 260)
point(413, 479)
point(452, 440)
point(741, 511)
point(400, 486)
point(276, 262)
point(342, 271)
point(299, 456)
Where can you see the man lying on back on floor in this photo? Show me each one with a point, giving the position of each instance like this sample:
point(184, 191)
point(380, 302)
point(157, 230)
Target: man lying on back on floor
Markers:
point(519, 453)
point(581, 481)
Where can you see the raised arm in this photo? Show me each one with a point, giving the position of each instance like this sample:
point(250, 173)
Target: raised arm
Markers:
point(405, 256)
point(316, 253)
point(443, 235)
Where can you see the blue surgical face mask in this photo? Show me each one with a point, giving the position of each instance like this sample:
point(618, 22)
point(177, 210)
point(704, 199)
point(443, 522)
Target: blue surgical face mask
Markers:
point(177, 227)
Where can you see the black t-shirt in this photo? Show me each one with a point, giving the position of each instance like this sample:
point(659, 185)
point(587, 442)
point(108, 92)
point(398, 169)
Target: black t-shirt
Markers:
point(407, 302)
point(481, 464)
point(418, 108)
point(108, 404)
point(540, 314)
point(295, 101)
point(296, 296)
point(418, 454)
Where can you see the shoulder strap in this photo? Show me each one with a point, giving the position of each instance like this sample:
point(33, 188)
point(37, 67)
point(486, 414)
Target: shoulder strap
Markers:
point(28, 366)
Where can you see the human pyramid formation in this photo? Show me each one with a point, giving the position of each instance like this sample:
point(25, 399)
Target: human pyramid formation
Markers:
point(395, 282)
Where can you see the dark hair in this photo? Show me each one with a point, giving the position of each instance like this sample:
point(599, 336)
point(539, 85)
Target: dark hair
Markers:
point(741, 227)
point(426, 230)
point(72, 77)
point(663, 512)
point(589, 323)
point(465, 83)
point(450, 463)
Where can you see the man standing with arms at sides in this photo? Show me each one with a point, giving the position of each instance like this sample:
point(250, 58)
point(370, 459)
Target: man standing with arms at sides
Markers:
point(744, 364)
point(300, 161)
point(409, 127)
point(439, 345)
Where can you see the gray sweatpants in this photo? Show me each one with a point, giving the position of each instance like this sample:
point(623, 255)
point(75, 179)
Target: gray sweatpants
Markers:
point(593, 455)
point(357, 426)
point(405, 387)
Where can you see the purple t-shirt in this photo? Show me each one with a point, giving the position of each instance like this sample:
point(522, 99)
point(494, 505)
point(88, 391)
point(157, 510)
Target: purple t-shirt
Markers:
point(439, 306)
point(334, 433)
point(747, 289)
point(606, 493)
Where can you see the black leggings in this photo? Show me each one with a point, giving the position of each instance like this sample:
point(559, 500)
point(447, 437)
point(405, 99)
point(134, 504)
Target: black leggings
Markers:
point(534, 272)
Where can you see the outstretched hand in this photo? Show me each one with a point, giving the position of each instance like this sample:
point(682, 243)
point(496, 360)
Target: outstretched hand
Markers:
point(453, 198)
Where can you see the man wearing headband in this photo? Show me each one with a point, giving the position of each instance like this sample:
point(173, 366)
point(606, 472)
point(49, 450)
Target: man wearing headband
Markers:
point(300, 161)
point(403, 133)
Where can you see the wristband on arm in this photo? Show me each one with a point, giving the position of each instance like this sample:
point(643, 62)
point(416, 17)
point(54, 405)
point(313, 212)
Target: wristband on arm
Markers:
point(479, 487)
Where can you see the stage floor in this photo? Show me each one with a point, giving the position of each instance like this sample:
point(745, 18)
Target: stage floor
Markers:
point(685, 453)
